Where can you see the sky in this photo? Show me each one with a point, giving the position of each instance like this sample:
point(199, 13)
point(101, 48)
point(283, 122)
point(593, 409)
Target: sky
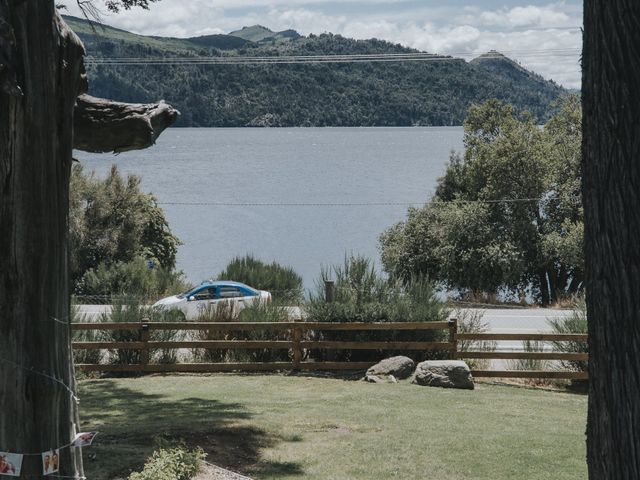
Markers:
point(542, 36)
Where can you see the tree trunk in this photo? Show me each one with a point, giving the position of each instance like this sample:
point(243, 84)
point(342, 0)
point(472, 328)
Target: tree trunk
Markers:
point(40, 80)
point(41, 75)
point(611, 197)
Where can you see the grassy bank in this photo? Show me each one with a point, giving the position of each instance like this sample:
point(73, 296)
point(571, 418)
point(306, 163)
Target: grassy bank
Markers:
point(279, 427)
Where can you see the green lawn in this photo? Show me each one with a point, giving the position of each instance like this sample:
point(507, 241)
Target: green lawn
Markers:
point(288, 427)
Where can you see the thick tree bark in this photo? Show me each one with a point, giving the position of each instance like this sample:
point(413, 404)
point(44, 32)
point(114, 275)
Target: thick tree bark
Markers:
point(106, 126)
point(611, 197)
point(41, 78)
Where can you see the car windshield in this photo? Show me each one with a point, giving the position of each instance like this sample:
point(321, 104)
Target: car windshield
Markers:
point(188, 293)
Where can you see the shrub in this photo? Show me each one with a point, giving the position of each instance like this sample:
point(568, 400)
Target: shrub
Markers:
point(175, 463)
point(139, 277)
point(574, 323)
point(125, 309)
point(220, 312)
point(264, 312)
point(362, 295)
point(165, 355)
point(85, 356)
point(470, 321)
point(284, 283)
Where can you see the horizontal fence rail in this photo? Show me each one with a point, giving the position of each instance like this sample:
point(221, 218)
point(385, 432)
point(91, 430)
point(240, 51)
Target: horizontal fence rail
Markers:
point(297, 345)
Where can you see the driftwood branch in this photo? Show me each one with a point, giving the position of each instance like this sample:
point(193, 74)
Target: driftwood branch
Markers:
point(105, 126)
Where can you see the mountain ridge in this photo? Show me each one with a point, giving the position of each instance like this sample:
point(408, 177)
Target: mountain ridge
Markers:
point(337, 94)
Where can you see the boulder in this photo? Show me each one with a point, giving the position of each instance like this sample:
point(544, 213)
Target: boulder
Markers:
point(400, 367)
point(444, 373)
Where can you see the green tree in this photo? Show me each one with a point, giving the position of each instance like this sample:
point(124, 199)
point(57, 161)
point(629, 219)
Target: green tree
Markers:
point(113, 222)
point(283, 282)
point(507, 214)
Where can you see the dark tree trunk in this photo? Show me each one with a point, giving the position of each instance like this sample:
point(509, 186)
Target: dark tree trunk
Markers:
point(611, 197)
point(40, 78)
point(41, 75)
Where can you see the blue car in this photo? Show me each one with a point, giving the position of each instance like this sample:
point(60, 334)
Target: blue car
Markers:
point(211, 293)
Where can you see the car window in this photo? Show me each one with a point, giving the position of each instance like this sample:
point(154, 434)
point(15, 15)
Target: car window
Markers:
point(208, 293)
point(230, 292)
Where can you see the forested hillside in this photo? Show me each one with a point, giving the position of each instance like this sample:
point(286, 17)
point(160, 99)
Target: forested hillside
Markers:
point(335, 94)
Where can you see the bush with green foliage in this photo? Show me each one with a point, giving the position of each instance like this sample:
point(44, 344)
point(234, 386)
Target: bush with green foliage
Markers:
point(177, 463)
point(283, 282)
point(471, 321)
point(507, 215)
point(112, 221)
point(574, 323)
point(361, 294)
point(136, 277)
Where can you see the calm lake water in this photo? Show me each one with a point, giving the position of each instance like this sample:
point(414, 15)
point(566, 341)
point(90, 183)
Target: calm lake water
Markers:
point(213, 184)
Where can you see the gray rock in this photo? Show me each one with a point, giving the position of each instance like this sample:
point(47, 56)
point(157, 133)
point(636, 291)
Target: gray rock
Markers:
point(373, 379)
point(444, 373)
point(400, 367)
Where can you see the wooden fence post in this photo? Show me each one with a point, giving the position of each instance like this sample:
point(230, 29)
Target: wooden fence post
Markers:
point(328, 291)
point(453, 338)
point(144, 337)
point(297, 351)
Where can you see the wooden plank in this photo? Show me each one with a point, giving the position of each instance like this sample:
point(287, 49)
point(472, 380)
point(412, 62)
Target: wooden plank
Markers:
point(252, 326)
point(227, 344)
point(378, 345)
point(188, 367)
point(105, 326)
point(526, 355)
point(297, 349)
point(391, 326)
point(108, 345)
point(223, 367)
point(548, 337)
point(336, 365)
point(530, 374)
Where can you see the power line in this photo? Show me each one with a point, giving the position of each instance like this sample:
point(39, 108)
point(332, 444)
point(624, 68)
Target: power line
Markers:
point(359, 204)
point(313, 59)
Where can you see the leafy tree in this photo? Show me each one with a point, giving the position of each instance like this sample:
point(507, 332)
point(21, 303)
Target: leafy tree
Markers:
point(113, 222)
point(507, 214)
point(283, 282)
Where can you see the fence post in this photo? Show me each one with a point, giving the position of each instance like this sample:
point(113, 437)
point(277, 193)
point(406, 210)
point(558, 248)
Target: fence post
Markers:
point(453, 338)
point(297, 351)
point(144, 337)
point(328, 291)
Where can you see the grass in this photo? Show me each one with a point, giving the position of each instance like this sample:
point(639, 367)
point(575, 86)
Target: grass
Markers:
point(290, 427)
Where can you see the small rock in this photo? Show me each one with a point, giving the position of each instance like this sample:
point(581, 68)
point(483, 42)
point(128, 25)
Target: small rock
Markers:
point(400, 367)
point(373, 379)
point(392, 379)
point(444, 373)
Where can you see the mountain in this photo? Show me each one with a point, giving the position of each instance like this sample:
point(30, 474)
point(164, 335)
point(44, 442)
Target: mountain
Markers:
point(437, 92)
point(258, 33)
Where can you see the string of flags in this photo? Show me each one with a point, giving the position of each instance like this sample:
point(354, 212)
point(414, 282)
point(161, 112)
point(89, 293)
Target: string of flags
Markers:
point(11, 463)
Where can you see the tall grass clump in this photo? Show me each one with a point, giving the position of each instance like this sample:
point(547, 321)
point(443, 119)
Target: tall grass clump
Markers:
point(283, 282)
point(270, 313)
point(574, 323)
point(165, 355)
point(361, 294)
point(220, 312)
point(125, 309)
point(85, 356)
point(471, 321)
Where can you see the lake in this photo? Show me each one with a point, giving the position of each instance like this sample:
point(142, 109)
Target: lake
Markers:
point(304, 197)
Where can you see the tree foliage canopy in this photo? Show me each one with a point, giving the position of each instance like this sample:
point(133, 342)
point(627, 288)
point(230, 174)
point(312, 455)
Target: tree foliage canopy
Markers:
point(113, 222)
point(507, 215)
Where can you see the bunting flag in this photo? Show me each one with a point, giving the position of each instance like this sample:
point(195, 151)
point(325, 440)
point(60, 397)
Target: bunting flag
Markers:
point(50, 462)
point(84, 439)
point(10, 464)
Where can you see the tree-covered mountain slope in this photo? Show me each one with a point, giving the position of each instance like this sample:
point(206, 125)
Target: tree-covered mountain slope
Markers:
point(335, 94)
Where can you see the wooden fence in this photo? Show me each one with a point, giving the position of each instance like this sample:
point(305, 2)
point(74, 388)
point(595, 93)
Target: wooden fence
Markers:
point(297, 345)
